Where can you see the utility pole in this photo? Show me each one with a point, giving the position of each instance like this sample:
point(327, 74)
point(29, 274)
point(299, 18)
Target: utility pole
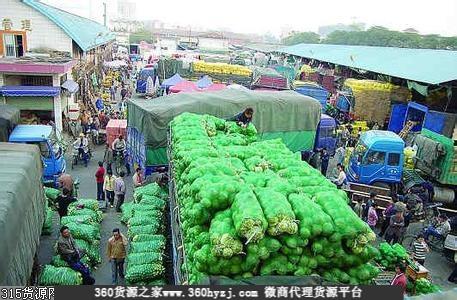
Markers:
point(104, 14)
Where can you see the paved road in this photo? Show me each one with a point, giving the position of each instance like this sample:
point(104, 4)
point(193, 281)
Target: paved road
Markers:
point(88, 189)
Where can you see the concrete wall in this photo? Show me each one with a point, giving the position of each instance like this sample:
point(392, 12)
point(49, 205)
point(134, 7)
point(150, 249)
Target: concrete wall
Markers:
point(44, 32)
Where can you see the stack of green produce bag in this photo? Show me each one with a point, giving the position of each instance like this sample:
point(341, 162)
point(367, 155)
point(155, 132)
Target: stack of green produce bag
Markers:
point(52, 276)
point(47, 225)
point(83, 220)
point(253, 208)
point(390, 256)
point(145, 218)
point(424, 286)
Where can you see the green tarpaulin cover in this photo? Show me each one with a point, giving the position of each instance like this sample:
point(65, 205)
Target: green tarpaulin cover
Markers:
point(22, 211)
point(9, 117)
point(285, 114)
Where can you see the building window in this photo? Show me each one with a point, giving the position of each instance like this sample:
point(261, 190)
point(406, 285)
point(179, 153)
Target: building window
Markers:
point(394, 159)
point(13, 45)
point(36, 80)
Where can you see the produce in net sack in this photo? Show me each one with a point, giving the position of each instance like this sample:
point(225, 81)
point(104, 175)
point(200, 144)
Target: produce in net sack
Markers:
point(313, 221)
point(424, 286)
point(127, 212)
point(95, 215)
point(149, 238)
point(143, 220)
point(152, 201)
point(57, 261)
point(248, 216)
point(84, 203)
point(147, 246)
point(389, 256)
point(144, 258)
point(353, 230)
point(51, 276)
point(152, 189)
point(52, 193)
point(47, 225)
point(145, 272)
point(92, 250)
point(84, 231)
point(223, 235)
point(277, 211)
point(153, 228)
point(84, 219)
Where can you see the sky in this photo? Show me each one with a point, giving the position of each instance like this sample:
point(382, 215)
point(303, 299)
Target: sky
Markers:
point(254, 16)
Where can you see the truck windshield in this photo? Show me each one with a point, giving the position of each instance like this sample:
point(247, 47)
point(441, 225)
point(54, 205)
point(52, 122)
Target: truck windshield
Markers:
point(359, 151)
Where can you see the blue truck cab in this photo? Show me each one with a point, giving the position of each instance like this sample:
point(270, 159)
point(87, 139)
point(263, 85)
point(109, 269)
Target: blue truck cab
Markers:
point(51, 153)
point(143, 79)
point(377, 158)
point(326, 134)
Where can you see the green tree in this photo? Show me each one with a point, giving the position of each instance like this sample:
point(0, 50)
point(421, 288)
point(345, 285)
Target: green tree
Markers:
point(142, 35)
point(301, 37)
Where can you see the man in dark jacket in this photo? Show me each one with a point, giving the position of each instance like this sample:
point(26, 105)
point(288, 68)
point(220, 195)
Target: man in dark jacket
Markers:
point(243, 118)
point(63, 201)
point(67, 249)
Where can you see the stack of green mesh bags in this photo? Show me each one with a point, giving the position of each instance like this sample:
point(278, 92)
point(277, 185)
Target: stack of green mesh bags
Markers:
point(252, 208)
point(391, 255)
point(83, 220)
point(51, 199)
point(145, 220)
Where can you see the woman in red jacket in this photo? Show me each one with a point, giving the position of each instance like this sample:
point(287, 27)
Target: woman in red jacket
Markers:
point(400, 277)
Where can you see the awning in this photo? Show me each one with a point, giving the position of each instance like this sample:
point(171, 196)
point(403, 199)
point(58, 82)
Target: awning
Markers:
point(29, 91)
point(70, 86)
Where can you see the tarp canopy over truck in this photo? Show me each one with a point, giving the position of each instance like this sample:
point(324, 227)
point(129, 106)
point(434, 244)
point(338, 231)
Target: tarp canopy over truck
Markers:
point(9, 117)
point(22, 211)
point(284, 114)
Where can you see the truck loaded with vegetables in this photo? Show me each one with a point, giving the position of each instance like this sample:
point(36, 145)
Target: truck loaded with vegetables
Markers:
point(252, 208)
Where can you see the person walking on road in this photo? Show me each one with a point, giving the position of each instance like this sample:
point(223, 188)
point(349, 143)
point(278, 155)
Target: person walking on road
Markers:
point(119, 190)
point(420, 249)
point(108, 157)
point(66, 248)
point(372, 217)
point(117, 245)
point(395, 230)
point(400, 277)
point(325, 157)
point(108, 187)
point(99, 179)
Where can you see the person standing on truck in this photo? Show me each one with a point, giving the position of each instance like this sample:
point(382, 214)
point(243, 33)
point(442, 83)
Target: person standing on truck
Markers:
point(116, 252)
point(63, 201)
point(112, 91)
point(325, 157)
point(66, 248)
point(108, 187)
point(99, 180)
point(243, 118)
point(119, 190)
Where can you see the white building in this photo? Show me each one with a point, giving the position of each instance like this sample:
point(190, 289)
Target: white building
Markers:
point(44, 86)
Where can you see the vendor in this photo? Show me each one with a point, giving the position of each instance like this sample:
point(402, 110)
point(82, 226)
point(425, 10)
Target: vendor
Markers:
point(243, 118)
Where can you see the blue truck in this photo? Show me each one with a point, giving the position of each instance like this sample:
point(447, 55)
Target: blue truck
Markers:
point(315, 91)
point(51, 152)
